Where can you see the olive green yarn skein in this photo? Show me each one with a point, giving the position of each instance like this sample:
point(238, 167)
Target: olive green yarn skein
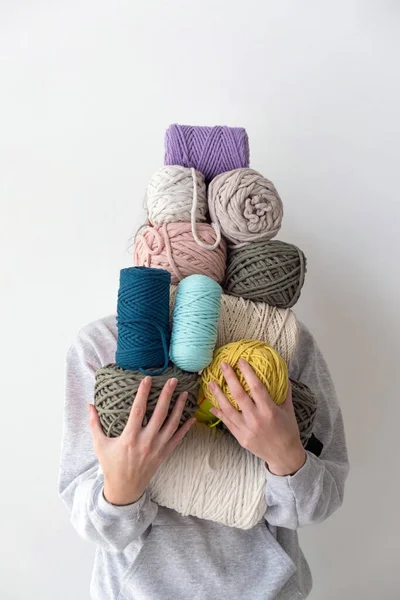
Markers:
point(115, 390)
point(272, 272)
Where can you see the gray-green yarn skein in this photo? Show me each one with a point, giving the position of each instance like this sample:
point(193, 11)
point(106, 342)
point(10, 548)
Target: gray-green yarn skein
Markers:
point(115, 390)
point(305, 407)
point(272, 272)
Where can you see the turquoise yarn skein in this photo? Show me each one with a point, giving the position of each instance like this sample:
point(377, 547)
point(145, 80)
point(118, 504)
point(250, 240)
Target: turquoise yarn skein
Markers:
point(143, 320)
point(195, 322)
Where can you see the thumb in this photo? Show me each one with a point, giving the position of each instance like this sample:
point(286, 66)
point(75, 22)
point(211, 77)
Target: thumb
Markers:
point(95, 425)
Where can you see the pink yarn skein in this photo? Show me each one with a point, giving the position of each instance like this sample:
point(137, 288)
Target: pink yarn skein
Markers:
point(172, 247)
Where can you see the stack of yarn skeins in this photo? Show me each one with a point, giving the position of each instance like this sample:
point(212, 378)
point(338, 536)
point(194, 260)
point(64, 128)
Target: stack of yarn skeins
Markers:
point(209, 284)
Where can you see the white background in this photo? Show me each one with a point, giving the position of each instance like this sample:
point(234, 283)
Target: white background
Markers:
point(87, 90)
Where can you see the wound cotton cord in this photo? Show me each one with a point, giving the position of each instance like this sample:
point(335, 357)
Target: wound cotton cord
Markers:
point(210, 150)
point(116, 388)
point(210, 476)
point(171, 246)
point(305, 407)
point(195, 322)
point(143, 319)
point(269, 367)
point(271, 272)
point(246, 206)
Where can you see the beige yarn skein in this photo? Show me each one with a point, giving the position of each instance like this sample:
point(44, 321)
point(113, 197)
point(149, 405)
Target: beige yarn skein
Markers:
point(245, 205)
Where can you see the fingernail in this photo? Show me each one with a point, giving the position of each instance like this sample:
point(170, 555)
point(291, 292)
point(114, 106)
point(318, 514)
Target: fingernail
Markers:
point(224, 366)
point(185, 395)
point(212, 386)
point(172, 382)
point(241, 362)
point(147, 380)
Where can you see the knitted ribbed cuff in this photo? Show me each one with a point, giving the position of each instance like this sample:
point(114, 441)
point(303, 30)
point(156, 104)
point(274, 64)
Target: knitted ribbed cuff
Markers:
point(106, 510)
point(297, 480)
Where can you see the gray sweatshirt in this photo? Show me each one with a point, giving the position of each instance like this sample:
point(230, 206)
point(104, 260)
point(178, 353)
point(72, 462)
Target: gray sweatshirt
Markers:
point(148, 552)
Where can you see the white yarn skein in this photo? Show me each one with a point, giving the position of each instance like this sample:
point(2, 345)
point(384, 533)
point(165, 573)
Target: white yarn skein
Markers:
point(210, 476)
point(178, 194)
point(243, 319)
point(170, 195)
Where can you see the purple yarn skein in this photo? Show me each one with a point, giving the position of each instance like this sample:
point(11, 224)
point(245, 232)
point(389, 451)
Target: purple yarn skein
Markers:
point(210, 150)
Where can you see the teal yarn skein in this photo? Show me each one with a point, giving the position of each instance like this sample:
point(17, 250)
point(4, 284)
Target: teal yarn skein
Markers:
point(143, 320)
point(195, 322)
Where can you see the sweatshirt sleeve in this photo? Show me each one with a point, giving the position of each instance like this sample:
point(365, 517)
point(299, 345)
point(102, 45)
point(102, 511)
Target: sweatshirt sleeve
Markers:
point(80, 477)
point(313, 493)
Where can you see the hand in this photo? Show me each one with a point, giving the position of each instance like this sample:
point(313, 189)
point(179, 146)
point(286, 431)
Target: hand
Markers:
point(265, 429)
point(130, 460)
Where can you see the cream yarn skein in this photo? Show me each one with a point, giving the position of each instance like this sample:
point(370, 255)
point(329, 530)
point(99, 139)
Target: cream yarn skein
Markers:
point(210, 476)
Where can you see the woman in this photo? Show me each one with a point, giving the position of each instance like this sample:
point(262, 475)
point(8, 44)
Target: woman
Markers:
point(148, 552)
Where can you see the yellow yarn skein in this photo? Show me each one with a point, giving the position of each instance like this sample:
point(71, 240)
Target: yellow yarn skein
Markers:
point(269, 367)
